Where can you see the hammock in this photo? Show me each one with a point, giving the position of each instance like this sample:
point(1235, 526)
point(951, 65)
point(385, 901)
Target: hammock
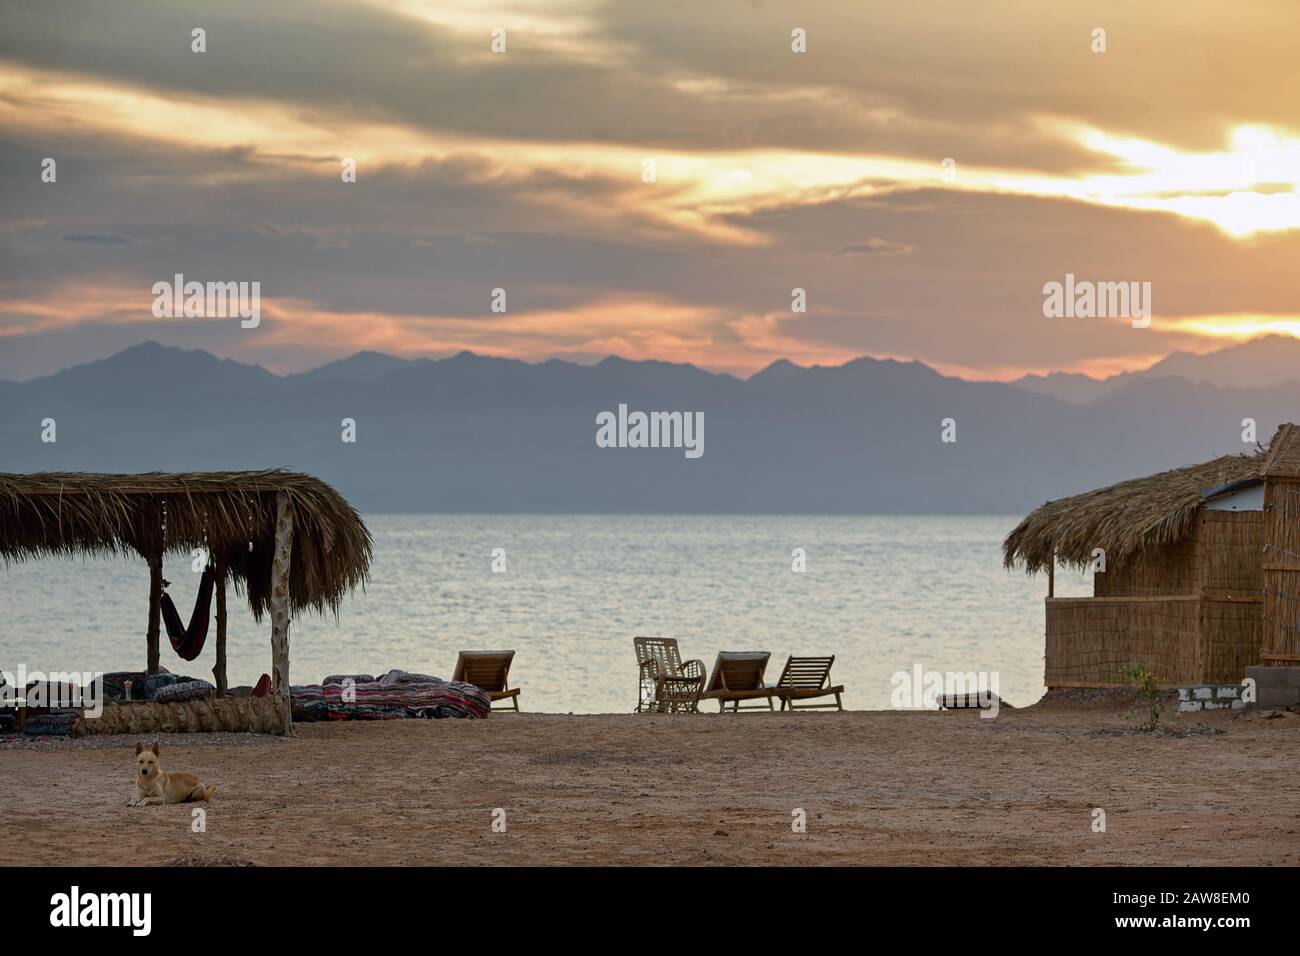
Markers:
point(188, 641)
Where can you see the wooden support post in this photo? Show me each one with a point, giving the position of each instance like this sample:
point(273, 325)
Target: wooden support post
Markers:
point(219, 668)
point(1051, 577)
point(155, 614)
point(280, 609)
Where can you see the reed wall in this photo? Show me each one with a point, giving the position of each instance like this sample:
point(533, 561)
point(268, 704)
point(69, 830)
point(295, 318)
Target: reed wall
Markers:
point(1091, 641)
point(1191, 612)
point(1168, 571)
point(1281, 575)
point(1229, 553)
point(1230, 640)
point(1231, 547)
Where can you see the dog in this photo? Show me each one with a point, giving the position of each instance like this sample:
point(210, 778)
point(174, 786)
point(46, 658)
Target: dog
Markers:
point(154, 786)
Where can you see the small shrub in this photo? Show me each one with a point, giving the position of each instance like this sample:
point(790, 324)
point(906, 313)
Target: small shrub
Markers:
point(1138, 676)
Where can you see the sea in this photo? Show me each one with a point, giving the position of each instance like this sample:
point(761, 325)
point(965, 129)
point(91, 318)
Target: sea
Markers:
point(884, 594)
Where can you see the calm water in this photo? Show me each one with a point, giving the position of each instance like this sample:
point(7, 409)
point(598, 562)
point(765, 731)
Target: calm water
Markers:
point(881, 593)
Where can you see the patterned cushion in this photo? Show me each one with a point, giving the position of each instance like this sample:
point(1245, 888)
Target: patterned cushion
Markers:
point(395, 678)
point(355, 678)
point(189, 690)
point(153, 683)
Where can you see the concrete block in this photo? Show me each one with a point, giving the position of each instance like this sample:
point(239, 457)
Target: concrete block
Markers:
point(1203, 693)
point(1267, 676)
point(1278, 698)
point(1188, 706)
point(1184, 693)
point(1215, 705)
point(1227, 691)
point(1238, 705)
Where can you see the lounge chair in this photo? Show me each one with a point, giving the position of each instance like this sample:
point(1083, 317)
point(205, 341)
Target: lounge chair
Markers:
point(738, 676)
point(489, 672)
point(665, 685)
point(806, 678)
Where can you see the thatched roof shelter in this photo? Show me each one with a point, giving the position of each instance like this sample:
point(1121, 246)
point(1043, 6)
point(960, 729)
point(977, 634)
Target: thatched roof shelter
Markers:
point(1282, 460)
point(289, 541)
point(63, 513)
point(1124, 519)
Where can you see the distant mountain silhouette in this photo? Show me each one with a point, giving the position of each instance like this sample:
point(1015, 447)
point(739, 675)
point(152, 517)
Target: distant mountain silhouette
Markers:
point(361, 367)
point(474, 433)
point(1260, 363)
point(1070, 387)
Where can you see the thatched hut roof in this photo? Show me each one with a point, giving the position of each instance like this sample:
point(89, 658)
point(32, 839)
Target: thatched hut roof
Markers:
point(74, 513)
point(1125, 519)
point(1283, 458)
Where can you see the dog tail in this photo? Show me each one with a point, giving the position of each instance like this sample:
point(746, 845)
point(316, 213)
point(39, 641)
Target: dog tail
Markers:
point(203, 793)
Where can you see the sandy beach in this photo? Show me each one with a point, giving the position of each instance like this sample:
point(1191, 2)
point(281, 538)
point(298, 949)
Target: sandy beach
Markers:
point(877, 788)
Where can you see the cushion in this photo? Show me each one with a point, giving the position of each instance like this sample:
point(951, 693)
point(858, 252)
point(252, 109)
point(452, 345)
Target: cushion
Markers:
point(189, 690)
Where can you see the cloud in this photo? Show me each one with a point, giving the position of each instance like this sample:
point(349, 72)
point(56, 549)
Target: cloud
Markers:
point(101, 239)
point(906, 81)
point(874, 247)
point(525, 171)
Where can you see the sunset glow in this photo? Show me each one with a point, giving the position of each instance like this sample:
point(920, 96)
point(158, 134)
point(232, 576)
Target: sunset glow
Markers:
point(712, 185)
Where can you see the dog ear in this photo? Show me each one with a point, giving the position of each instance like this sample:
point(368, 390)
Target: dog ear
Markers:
point(138, 747)
point(154, 748)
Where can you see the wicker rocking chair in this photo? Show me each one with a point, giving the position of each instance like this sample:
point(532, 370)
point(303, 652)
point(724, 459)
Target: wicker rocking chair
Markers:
point(665, 685)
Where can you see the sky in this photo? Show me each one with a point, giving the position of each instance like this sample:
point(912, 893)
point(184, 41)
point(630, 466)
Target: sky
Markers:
point(921, 170)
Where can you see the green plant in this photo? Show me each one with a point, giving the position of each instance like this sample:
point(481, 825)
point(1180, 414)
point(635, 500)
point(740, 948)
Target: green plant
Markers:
point(1137, 675)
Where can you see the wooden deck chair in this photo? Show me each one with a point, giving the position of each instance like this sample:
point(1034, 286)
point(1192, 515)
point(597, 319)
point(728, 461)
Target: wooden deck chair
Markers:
point(805, 678)
point(738, 676)
point(666, 685)
point(489, 671)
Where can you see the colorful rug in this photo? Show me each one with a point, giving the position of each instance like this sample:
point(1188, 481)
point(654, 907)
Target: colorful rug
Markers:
point(394, 696)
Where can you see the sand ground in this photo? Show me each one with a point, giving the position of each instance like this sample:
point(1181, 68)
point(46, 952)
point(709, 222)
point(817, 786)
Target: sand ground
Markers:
point(877, 788)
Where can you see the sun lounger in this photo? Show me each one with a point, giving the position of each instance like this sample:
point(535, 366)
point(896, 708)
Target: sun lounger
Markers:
point(738, 676)
point(665, 685)
point(489, 671)
point(807, 678)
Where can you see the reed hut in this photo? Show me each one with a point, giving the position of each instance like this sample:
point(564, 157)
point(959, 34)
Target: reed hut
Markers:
point(288, 541)
point(1281, 610)
point(1196, 571)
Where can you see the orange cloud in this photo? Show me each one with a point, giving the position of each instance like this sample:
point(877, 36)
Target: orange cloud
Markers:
point(632, 326)
point(694, 192)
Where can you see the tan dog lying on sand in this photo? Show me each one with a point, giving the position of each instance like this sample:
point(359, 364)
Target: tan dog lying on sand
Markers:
point(153, 785)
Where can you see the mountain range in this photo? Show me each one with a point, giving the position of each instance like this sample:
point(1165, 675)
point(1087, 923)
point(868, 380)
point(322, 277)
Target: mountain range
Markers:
point(472, 433)
point(1262, 362)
